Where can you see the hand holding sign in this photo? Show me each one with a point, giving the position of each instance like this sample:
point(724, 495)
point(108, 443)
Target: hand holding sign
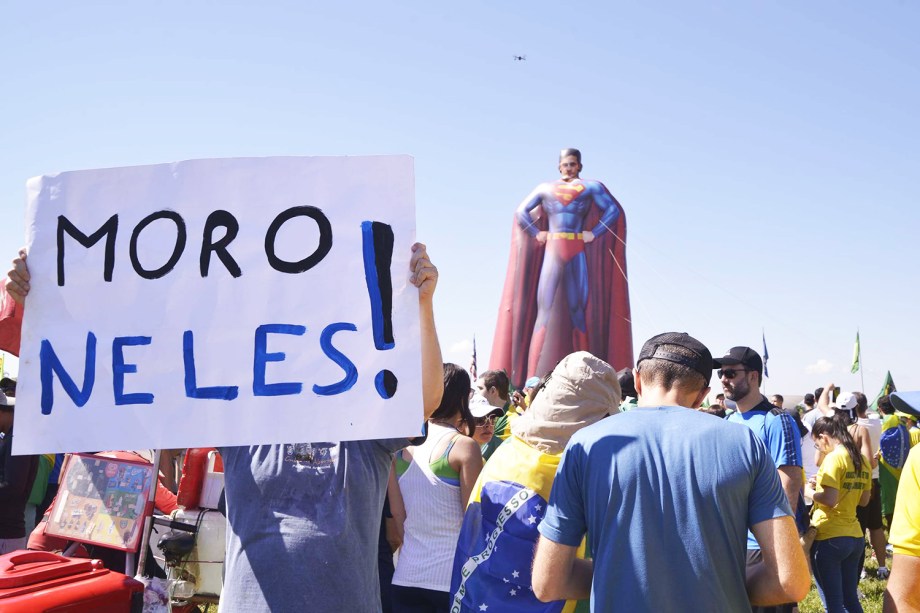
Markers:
point(424, 274)
point(17, 278)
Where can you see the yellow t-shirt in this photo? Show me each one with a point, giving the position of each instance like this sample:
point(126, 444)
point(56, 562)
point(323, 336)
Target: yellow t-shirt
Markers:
point(914, 436)
point(837, 471)
point(502, 430)
point(513, 414)
point(503, 423)
point(890, 421)
point(905, 527)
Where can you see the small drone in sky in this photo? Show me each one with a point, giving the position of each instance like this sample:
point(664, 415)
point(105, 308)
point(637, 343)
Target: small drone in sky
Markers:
point(520, 58)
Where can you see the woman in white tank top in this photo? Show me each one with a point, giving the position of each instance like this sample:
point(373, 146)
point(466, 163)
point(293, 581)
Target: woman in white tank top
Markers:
point(870, 516)
point(435, 479)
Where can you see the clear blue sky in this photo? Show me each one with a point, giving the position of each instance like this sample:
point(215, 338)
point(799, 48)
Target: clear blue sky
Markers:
point(766, 154)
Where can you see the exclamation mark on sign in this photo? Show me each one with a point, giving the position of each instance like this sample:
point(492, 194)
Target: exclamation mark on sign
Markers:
point(378, 255)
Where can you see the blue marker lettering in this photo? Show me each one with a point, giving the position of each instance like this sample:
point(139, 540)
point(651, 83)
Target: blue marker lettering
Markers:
point(351, 372)
point(120, 369)
point(261, 357)
point(216, 392)
point(49, 364)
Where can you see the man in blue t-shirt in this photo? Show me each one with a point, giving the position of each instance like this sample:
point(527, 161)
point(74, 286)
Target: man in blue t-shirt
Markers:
point(741, 372)
point(666, 495)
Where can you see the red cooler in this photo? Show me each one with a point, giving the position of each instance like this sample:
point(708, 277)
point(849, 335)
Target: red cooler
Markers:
point(33, 581)
point(193, 472)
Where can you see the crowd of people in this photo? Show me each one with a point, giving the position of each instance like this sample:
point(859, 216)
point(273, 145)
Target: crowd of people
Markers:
point(628, 490)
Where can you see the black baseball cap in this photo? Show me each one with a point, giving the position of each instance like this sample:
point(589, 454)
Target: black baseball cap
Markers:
point(745, 356)
point(700, 361)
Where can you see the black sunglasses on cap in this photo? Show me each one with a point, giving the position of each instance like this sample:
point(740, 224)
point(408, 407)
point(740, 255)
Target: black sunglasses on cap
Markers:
point(729, 373)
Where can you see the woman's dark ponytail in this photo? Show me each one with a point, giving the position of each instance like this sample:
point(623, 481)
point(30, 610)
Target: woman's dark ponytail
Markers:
point(836, 428)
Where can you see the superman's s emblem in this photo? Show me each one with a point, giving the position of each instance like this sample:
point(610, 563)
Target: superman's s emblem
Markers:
point(567, 192)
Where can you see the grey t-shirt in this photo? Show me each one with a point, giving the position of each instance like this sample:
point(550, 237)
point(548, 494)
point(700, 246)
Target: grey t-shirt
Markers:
point(303, 522)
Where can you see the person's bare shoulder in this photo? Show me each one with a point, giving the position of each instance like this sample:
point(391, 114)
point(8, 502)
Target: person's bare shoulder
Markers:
point(465, 450)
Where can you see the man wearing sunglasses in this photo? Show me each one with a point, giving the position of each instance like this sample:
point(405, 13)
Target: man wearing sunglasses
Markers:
point(662, 492)
point(495, 387)
point(740, 372)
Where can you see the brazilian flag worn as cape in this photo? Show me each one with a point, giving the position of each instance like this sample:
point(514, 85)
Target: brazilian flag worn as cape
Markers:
point(492, 566)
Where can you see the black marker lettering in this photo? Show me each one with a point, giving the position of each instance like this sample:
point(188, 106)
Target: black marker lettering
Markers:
point(219, 219)
point(181, 237)
point(109, 229)
point(323, 248)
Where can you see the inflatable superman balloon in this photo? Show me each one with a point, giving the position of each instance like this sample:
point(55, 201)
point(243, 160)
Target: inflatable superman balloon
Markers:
point(566, 288)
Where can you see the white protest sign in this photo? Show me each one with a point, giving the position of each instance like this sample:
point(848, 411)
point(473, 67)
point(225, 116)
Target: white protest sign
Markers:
point(220, 302)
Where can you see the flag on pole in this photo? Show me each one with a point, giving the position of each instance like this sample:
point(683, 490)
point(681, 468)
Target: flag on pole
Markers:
point(887, 387)
point(855, 367)
point(473, 373)
point(766, 354)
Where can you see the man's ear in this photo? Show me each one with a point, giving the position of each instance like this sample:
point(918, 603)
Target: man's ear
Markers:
point(637, 382)
point(699, 398)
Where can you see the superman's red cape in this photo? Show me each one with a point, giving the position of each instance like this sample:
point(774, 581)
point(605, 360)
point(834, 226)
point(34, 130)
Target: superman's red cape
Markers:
point(607, 313)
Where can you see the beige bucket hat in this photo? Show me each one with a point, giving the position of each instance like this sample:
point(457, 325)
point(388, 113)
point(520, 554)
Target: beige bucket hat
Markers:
point(582, 389)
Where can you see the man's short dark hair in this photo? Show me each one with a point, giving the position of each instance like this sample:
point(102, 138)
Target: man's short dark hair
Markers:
point(884, 405)
point(627, 384)
point(570, 151)
point(779, 398)
point(720, 396)
point(497, 379)
point(715, 409)
point(668, 374)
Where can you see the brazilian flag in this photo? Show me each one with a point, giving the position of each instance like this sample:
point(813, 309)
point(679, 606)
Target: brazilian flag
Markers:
point(494, 553)
point(887, 387)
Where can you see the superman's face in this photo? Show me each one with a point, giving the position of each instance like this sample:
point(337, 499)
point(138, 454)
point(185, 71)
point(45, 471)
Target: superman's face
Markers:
point(569, 168)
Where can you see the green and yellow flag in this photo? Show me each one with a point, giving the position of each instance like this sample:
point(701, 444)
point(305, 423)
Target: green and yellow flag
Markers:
point(887, 387)
point(855, 367)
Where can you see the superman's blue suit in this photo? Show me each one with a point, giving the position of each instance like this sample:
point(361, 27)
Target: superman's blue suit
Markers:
point(565, 291)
